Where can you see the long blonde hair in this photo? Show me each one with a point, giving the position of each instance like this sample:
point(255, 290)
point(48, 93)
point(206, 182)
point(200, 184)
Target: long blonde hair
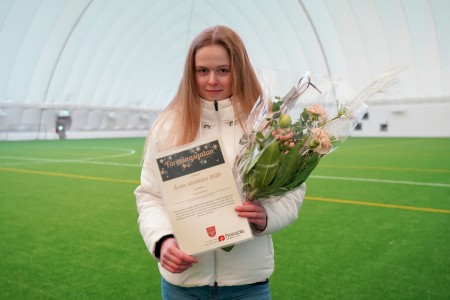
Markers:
point(186, 105)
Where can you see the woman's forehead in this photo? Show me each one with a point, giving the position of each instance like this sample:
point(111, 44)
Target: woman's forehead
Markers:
point(212, 55)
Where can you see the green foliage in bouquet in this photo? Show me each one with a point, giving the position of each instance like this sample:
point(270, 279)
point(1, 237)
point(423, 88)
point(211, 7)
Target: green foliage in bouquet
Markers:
point(281, 154)
point(285, 154)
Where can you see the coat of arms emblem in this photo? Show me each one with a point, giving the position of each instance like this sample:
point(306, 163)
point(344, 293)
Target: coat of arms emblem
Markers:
point(211, 231)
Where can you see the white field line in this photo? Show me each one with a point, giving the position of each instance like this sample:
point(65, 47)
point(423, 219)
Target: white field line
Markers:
point(129, 152)
point(87, 160)
point(418, 183)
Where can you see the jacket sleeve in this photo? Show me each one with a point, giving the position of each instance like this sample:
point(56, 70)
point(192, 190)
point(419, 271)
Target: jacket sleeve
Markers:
point(153, 219)
point(282, 211)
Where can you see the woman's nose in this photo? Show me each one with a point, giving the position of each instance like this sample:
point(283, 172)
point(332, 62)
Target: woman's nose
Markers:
point(212, 78)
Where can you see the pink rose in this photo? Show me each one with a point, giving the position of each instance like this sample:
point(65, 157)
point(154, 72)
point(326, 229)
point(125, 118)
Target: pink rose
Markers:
point(320, 141)
point(319, 111)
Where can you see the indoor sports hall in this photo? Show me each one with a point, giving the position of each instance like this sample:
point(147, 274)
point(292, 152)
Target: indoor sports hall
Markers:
point(83, 81)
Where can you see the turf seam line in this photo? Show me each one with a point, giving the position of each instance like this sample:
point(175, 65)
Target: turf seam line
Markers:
point(404, 207)
point(435, 184)
point(361, 167)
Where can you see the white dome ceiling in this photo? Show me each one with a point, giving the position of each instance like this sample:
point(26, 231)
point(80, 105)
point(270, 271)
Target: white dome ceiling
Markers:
point(130, 53)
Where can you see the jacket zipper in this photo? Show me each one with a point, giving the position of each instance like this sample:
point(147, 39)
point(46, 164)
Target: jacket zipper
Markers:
point(216, 106)
point(216, 259)
point(216, 263)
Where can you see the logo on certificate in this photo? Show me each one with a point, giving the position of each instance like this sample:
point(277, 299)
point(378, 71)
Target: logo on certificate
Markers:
point(211, 231)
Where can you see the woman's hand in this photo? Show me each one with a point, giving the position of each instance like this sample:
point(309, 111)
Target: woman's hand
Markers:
point(173, 259)
point(255, 213)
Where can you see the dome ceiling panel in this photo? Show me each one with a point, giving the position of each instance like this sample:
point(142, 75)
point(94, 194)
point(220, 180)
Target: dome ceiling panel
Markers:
point(375, 46)
point(424, 46)
point(327, 34)
point(398, 40)
point(440, 9)
point(131, 53)
point(15, 26)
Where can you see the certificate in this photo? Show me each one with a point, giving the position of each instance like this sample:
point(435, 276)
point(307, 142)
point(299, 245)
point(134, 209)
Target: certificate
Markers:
point(200, 194)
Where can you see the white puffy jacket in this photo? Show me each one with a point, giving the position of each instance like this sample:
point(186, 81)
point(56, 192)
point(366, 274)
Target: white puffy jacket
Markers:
point(248, 262)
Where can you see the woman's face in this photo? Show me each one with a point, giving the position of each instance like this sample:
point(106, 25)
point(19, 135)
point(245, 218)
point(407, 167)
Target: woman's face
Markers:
point(213, 73)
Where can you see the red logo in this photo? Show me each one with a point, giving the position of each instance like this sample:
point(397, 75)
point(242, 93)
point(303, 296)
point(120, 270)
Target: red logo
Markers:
point(221, 238)
point(211, 231)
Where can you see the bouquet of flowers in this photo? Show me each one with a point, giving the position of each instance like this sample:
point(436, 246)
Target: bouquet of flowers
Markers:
point(290, 135)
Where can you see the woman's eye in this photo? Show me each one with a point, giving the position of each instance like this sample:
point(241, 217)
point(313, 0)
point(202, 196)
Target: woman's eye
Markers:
point(202, 71)
point(224, 70)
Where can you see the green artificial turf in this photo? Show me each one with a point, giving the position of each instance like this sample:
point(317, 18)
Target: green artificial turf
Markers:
point(375, 223)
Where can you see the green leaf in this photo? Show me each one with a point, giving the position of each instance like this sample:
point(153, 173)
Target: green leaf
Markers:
point(288, 168)
point(289, 165)
point(227, 248)
point(253, 161)
point(259, 135)
point(267, 164)
point(276, 115)
point(276, 106)
point(308, 165)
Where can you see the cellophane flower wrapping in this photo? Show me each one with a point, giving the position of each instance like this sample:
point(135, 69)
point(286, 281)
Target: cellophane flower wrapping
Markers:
point(290, 135)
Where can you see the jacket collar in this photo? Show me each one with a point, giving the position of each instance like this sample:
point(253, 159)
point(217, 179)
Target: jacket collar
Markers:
point(224, 113)
point(222, 104)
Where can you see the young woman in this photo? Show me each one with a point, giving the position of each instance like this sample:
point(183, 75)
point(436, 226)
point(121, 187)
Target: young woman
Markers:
point(216, 94)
